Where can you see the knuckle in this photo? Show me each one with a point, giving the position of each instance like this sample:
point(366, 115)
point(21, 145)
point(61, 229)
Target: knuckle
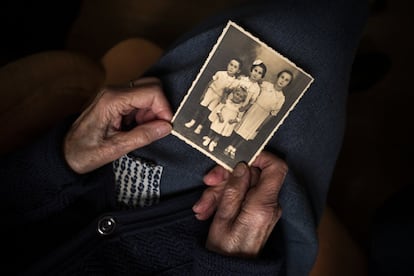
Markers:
point(145, 137)
point(265, 215)
point(283, 167)
point(277, 160)
point(278, 165)
point(231, 193)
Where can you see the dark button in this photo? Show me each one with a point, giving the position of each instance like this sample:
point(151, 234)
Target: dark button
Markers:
point(106, 225)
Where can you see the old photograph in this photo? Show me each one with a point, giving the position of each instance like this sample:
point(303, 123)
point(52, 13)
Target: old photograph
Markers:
point(240, 97)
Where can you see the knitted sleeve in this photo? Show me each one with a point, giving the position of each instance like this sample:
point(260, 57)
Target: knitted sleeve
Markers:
point(37, 182)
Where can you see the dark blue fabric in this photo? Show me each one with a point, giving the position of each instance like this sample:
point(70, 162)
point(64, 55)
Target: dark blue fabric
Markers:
point(319, 36)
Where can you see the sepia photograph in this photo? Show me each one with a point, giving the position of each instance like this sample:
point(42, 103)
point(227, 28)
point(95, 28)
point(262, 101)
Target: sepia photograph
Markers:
point(239, 99)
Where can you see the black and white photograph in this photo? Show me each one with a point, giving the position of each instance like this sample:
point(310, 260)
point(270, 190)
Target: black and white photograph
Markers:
point(239, 99)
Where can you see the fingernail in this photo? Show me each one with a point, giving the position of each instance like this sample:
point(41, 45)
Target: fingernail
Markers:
point(240, 169)
point(195, 206)
point(163, 130)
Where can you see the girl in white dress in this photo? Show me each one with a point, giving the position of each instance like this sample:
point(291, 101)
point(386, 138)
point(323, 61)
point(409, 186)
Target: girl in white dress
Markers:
point(267, 104)
point(213, 95)
point(252, 82)
point(225, 117)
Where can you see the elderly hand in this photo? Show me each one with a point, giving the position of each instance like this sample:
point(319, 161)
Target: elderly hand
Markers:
point(246, 205)
point(97, 137)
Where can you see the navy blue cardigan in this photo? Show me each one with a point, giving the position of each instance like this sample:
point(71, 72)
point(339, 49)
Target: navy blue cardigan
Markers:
point(56, 223)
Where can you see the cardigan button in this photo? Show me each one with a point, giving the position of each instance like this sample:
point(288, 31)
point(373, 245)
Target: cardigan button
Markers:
point(106, 225)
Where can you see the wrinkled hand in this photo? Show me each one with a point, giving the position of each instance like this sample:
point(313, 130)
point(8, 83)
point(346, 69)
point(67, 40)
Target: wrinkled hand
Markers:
point(97, 137)
point(246, 205)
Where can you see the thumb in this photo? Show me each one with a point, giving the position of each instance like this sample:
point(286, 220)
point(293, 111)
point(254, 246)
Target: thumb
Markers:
point(140, 136)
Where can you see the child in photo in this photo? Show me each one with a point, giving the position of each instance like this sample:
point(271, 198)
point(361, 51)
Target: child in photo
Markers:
point(225, 117)
point(214, 93)
point(252, 83)
point(267, 104)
